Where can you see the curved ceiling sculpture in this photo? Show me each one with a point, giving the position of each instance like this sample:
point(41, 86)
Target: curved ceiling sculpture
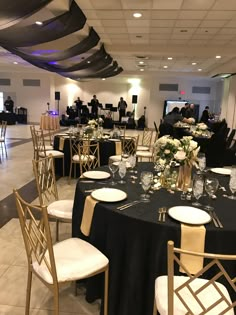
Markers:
point(63, 43)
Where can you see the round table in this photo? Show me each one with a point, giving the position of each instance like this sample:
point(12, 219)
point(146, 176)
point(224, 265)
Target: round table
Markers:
point(49, 122)
point(136, 242)
point(106, 149)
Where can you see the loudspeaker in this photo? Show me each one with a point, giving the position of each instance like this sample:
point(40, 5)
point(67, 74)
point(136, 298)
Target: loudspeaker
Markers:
point(134, 99)
point(57, 96)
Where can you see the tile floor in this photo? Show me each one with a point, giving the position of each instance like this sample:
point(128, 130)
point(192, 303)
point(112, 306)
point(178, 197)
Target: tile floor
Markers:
point(16, 172)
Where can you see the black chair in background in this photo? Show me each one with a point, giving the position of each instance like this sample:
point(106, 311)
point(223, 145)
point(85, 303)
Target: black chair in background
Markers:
point(165, 129)
point(155, 125)
point(216, 148)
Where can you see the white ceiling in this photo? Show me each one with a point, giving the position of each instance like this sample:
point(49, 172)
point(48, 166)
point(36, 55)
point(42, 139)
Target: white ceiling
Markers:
point(186, 30)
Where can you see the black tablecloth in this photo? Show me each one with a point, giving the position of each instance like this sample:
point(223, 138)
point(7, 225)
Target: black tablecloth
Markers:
point(9, 117)
point(136, 243)
point(106, 148)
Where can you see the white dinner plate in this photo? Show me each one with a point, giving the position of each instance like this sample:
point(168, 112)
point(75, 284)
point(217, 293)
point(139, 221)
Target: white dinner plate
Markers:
point(115, 140)
point(189, 215)
point(96, 174)
point(222, 171)
point(109, 194)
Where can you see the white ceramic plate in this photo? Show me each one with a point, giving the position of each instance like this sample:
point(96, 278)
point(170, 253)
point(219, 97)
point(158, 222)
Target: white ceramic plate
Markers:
point(189, 215)
point(96, 174)
point(109, 194)
point(115, 140)
point(222, 171)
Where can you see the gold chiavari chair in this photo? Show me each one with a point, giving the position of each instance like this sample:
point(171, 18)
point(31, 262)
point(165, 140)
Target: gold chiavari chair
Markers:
point(147, 154)
point(60, 210)
point(41, 150)
point(192, 294)
point(67, 261)
point(128, 147)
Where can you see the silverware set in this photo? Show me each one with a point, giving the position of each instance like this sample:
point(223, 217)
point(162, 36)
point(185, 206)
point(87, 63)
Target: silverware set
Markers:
point(215, 219)
point(130, 204)
point(162, 214)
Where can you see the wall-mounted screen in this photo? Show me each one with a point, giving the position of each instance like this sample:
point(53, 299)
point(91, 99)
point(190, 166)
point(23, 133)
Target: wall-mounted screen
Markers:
point(169, 105)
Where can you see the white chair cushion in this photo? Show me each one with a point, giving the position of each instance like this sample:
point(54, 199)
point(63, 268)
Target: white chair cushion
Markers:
point(48, 147)
point(207, 296)
point(54, 153)
point(61, 208)
point(142, 148)
point(83, 158)
point(144, 154)
point(115, 158)
point(75, 259)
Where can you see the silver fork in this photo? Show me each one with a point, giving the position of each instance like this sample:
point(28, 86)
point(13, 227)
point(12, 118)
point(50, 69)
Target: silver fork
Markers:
point(164, 214)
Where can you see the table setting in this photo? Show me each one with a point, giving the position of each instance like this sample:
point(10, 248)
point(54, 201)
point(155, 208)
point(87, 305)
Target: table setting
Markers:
point(133, 231)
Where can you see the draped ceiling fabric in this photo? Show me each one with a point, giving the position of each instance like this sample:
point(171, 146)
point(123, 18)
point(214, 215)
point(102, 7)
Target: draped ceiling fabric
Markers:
point(59, 45)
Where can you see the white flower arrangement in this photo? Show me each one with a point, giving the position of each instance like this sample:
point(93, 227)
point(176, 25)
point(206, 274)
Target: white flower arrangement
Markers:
point(100, 120)
point(201, 126)
point(92, 123)
point(168, 150)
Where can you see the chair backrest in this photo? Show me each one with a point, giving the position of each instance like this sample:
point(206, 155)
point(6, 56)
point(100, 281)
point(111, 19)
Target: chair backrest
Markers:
point(129, 144)
point(213, 266)
point(36, 234)
point(44, 173)
point(230, 138)
point(89, 155)
point(147, 137)
point(122, 129)
point(3, 130)
point(39, 143)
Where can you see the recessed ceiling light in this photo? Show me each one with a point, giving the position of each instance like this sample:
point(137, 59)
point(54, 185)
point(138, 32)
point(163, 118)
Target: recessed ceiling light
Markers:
point(218, 57)
point(139, 36)
point(15, 63)
point(183, 31)
point(39, 23)
point(165, 67)
point(199, 69)
point(169, 58)
point(141, 62)
point(137, 15)
point(141, 69)
point(194, 63)
point(88, 61)
point(103, 79)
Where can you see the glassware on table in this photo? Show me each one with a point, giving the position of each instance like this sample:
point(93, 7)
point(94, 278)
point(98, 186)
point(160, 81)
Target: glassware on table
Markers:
point(211, 186)
point(232, 183)
point(146, 182)
point(132, 162)
point(122, 171)
point(201, 162)
point(198, 188)
point(113, 167)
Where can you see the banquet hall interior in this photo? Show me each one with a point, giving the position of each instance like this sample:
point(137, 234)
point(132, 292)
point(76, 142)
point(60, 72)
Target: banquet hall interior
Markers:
point(149, 52)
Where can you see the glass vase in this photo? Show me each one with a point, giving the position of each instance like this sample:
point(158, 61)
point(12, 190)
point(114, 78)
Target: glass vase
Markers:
point(184, 177)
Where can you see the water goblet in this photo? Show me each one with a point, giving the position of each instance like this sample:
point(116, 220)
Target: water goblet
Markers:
point(132, 162)
point(211, 186)
point(146, 181)
point(122, 171)
point(201, 162)
point(232, 183)
point(198, 188)
point(113, 167)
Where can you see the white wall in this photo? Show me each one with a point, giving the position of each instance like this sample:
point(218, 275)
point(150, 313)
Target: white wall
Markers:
point(109, 91)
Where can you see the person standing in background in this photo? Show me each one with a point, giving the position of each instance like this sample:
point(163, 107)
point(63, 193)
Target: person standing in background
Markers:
point(122, 105)
point(78, 104)
point(205, 115)
point(184, 109)
point(9, 104)
point(94, 103)
point(190, 111)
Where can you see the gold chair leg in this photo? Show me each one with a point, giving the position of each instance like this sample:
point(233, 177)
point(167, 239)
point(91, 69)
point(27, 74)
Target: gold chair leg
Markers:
point(154, 306)
point(56, 300)
point(106, 291)
point(28, 291)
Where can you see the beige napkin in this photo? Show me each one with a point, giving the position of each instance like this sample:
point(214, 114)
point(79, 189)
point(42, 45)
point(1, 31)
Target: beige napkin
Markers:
point(89, 206)
point(118, 147)
point(192, 239)
point(61, 143)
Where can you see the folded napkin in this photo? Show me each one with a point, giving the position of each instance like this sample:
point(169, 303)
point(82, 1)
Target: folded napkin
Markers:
point(89, 206)
point(118, 147)
point(192, 239)
point(61, 143)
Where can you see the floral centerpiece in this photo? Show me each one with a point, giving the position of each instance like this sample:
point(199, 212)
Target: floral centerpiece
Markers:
point(99, 121)
point(183, 151)
point(201, 130)
point(89, 129)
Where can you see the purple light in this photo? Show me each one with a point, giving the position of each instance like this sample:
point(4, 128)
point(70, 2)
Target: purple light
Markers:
point(44, 52)
point(52, 63)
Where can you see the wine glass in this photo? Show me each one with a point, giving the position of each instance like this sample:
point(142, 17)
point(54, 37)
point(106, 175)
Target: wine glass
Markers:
point(232, 183)
point(146, 181)
point(122, 171)
point(132, 162)
point(198, 187)
point(211, 186)
point(113, 167)
point(201, 162)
